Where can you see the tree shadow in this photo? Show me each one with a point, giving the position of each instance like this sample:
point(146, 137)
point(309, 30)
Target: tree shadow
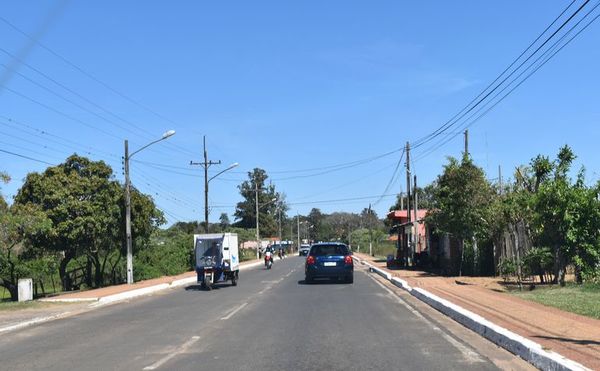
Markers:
point(567, 340)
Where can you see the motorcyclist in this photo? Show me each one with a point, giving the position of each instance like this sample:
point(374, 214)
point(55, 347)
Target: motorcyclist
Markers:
point(268, 253)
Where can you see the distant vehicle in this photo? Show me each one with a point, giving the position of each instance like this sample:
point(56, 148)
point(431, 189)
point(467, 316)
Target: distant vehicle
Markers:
point(303, 250)
point(329, 260)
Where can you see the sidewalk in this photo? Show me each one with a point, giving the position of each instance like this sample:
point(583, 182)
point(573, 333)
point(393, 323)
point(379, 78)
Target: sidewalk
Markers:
point(573, 336)
point(68, 304)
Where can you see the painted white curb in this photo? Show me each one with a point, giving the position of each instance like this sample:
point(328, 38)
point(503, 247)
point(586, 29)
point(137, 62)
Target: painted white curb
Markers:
point(529, 350)
point(33, 322)
point(163, 286)
point(98, 302)
point(68, 300)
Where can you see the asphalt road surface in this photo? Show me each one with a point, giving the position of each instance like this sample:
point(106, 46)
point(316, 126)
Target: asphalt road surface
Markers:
point(270, 321)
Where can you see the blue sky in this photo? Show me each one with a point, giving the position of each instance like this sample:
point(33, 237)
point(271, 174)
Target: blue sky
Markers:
point(285, 86)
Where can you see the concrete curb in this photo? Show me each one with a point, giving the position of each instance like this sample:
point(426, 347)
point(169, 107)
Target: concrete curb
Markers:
point(529, 350)
point(152, 289)
point(33, 322)
point(110, 299)
point(139, 292)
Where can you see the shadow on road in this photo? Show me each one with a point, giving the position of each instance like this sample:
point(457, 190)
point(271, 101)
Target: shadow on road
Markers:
point(215, 286)
point(322, 281)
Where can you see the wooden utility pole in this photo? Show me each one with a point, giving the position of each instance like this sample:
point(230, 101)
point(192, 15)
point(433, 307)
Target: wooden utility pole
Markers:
point(370, 231)
point(408, 189)
point(467, 142)
point(415, 223)
point(206, 164)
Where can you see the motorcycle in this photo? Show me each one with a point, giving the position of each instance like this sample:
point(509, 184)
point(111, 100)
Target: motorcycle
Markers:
point(268, 261)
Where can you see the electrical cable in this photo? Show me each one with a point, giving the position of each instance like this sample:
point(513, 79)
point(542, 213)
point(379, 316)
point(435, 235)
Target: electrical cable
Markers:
point(552, 54)
point(26, 157)
point(462, 113)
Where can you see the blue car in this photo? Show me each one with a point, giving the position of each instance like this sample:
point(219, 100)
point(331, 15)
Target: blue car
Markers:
point(329, 260)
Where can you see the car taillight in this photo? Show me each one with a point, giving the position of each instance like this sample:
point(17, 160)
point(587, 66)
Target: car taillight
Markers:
point(348, 260)
point(310, 260)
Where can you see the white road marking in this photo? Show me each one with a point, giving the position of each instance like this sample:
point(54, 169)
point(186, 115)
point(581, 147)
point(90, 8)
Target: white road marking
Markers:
point(470, 355)
point(234, 311)
point(171, 355)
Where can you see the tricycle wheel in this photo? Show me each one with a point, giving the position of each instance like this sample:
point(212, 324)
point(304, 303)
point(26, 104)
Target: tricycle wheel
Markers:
point(234, 279)
point(206, 287)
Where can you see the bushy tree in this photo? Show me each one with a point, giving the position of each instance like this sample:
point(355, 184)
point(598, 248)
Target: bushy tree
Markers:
point(16, 223)
point(245, 212)
point(462, 198)
point(86, 208)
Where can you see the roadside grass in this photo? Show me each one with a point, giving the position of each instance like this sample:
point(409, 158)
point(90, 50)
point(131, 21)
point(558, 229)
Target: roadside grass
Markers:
point(6, 305)
point(581, 299)
point(247, 254)
point(380, 250)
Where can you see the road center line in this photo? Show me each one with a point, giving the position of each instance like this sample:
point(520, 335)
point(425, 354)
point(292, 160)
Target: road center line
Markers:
point(234, 311)
point(171, 355)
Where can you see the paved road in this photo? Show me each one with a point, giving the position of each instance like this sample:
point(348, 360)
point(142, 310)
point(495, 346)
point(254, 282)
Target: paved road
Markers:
point(270, 321)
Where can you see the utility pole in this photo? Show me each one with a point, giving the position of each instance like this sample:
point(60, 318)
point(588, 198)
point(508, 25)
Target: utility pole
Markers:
point(256, 201)
point(206, 164)
point(128, 241)
point(467, 142)
point(298, 217)
point(408, 189)
point(370, 231)
point(279, 217)
point(416, 222)
point(128, 217)
point(401, 201)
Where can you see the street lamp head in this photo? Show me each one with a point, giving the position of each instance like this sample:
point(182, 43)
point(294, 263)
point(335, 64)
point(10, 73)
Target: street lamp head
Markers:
point(168, 134)
point(235, 164)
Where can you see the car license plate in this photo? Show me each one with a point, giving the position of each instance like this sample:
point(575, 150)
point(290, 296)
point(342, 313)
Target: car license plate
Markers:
point(329, 264)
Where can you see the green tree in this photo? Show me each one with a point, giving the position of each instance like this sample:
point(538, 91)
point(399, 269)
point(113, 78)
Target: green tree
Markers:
point(461, 203)
point(424, 198)
point(16, 223)
point(86, 209)
point(567, 219)
point(245, 212)
point(4, 178)
point(224, 221)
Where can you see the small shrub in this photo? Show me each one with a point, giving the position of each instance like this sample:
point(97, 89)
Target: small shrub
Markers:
point(507, 268)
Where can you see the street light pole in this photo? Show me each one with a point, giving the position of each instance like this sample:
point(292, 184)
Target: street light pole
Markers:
point(128, 218)
point(205, 187)
point(257, 234)
point(298, 217)
point(128, 239)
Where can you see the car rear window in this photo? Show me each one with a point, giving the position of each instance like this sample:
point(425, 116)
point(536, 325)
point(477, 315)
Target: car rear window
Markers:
point(324, 250)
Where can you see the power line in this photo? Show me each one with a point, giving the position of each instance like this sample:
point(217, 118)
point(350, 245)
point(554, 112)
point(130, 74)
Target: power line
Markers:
point(66, 115)
point(26, 157)
point(19, 125)
point(84, 72)
point(466, 111)
point(89, 101)
point(393, 179)
point(554, 46)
